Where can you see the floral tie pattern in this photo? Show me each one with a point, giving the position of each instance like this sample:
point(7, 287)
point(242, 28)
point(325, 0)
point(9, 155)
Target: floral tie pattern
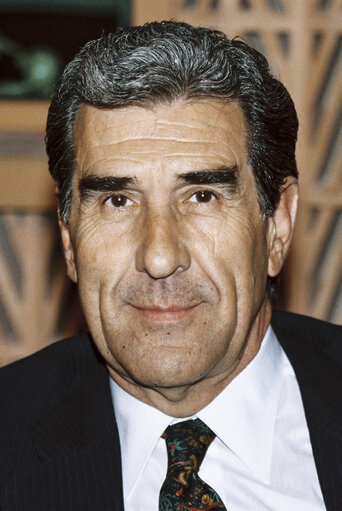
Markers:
point(183, 489)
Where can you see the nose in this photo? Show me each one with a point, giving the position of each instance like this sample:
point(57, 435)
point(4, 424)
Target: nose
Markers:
point(161, 252)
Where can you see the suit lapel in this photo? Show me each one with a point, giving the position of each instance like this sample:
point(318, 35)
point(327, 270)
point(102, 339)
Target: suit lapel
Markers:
point(320, 380)
point(80, 435)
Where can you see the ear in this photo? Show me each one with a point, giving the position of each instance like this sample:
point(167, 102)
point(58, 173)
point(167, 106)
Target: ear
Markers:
point(69, 254)
point(281, 225)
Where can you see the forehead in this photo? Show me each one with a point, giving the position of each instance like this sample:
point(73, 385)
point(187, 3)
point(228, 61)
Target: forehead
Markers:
point(203, 132)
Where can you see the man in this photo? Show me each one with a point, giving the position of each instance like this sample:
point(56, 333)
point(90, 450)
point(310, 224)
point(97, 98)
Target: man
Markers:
point(173, 151)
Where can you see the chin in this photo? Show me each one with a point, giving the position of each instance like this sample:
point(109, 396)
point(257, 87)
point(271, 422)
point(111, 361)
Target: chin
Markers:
point(167, 375)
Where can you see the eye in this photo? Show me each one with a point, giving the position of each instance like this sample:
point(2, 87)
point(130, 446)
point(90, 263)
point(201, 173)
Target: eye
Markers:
point(203, 196)
point(118, 201)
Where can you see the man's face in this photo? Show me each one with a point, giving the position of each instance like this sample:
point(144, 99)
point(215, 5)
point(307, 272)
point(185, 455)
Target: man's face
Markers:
point(166, 240)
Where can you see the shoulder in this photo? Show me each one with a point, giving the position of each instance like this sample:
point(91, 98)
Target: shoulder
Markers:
point(305, 324)
point(321, 335)
point(55, 357)
point(31, 385)
point(57, 429)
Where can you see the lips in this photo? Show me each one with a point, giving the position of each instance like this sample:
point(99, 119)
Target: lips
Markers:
point(165, 313)
point(161, 308)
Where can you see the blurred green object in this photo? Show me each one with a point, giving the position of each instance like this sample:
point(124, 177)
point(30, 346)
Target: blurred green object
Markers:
point(38, 69)
point(39, 66)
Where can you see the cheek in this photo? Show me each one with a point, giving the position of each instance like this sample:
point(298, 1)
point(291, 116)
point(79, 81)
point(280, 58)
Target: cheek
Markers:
point(231, 249)
point(102, 258)
point(231, 238)
point(251, 266)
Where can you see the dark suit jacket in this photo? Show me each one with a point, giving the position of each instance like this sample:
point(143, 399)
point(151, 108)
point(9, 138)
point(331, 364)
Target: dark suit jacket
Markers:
point(59, 446)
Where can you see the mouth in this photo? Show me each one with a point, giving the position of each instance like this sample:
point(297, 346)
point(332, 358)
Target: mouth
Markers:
point(160, 313)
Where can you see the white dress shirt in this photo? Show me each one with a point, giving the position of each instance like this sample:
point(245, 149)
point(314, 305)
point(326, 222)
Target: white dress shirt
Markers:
point(261, 458)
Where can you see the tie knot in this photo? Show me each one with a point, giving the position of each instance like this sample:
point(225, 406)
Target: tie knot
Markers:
point(187, 443)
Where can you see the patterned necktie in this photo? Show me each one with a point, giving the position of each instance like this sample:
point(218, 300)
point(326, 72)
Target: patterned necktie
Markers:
point(183, 489)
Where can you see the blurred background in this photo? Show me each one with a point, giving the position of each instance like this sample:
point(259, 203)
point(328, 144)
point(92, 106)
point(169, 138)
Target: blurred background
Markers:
point(302, 40)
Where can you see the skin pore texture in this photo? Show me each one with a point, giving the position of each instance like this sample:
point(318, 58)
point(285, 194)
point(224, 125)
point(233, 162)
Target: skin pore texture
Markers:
point(169, 248)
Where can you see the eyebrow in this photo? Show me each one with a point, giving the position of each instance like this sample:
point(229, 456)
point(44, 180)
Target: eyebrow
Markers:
point(220, 175)
point(90, 184)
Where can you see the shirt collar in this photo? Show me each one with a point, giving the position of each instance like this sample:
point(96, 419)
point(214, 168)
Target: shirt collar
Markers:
point(140, 426)
point(242, 416)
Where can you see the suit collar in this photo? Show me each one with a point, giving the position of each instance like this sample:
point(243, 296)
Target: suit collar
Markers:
point(84, 414)
point(81, 424)
point(320, 380)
